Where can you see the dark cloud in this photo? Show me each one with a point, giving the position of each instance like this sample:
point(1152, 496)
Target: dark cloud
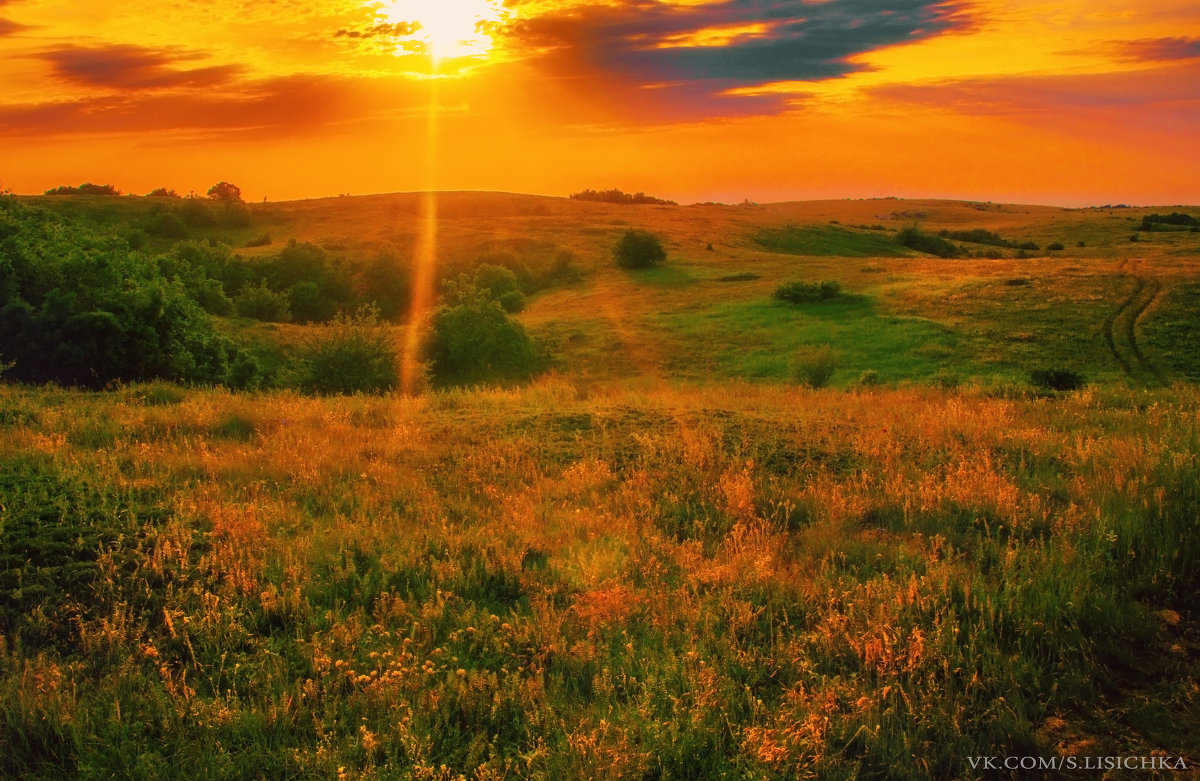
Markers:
point(8, 27)
point(1156, 49)
point(274, 107)
point(797, 41)
point(1176, 87)
point(397, 30)
point(128, 67)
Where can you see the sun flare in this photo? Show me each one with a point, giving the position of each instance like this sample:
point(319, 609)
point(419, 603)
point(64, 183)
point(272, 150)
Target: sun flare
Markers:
point(448, 28)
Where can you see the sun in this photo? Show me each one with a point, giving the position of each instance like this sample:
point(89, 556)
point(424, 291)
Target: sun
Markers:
point(448, 28)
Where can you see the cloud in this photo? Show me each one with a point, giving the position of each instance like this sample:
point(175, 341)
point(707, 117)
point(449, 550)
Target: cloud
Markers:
point(1156, 49)
point(653, 62)
point(127, 67)
point(9, 27)
point(283, 106)
point(397, 30)
point(729, 43)
point(1174, 88)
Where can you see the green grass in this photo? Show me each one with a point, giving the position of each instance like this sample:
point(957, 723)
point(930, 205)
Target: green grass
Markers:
point(664, 276)
point(1174, 325)
point(827, 241)
point(533, 583)
point(755, 340)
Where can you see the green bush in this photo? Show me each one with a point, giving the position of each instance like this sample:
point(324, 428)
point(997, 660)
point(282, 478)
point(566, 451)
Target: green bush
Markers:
point(807, 292)
point(639, 249)
point(915, 238)
point(167, 225)
point(976, 236)
point(246, 371)
point(211, 296)
point(308, 304)
point(473, 342)
point(358, 355)
point(1057, 379)
point(512, 301)
point(1055, 246)
point(78, 308)
point(259, 302)
point(495, 281)
point(386, 280)
point(197, 213)
point(814, 365)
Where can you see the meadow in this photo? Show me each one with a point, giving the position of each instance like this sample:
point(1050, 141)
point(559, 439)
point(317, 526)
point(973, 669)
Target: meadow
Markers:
point(662, 557)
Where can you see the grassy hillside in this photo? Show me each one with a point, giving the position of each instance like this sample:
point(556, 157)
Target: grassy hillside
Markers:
point(1098, 307)
point(662, 558)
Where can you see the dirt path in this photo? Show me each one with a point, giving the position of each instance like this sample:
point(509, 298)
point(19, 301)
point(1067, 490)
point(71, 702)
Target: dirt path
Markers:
point(1150, 292)
point(1121, 326)
point(1110, 323)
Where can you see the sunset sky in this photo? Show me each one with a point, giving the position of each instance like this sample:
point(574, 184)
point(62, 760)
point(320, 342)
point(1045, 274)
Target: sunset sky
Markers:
point(1069, 102)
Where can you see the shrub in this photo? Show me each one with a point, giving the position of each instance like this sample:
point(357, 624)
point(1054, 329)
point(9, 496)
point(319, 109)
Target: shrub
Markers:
point(807, 292)
point(357, 355)
point(235, 214)
point(211, 296)
point(1172, 219)
point(639, 249)
point(197, 213)
point(386, 280)
point(259, 302)
point(473, 342)
point(245, 371)
point(167, 225)
point(915, 238)
point(976, 236)
point(814, 365)
point(308, 304)
point(1055, 247)
point(512, 301)
point(1057, 379)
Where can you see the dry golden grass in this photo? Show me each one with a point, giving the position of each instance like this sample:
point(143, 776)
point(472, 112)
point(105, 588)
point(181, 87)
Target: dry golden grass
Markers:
point(553, 582)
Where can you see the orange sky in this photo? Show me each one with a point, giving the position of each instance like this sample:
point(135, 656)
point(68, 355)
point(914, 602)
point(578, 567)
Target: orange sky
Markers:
point(1071, 102)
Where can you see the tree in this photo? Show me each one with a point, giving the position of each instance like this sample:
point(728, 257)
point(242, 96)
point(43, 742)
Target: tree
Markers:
point(224, 191)
point(639, 249)
point(356, 356)
point(473, 341)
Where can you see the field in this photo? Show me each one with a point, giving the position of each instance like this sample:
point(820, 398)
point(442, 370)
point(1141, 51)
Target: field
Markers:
point(662, 557)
